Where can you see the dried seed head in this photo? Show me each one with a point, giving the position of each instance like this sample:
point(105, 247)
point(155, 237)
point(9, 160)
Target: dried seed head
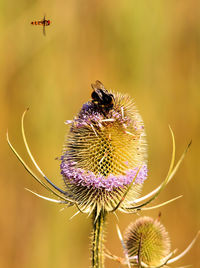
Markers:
point(104, 150)
point(147, 240)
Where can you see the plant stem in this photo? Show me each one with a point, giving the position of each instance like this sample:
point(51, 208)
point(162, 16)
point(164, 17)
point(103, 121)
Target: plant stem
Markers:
point(98, 239)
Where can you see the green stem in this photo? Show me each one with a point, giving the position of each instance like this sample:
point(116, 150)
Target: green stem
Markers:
point(98, 239)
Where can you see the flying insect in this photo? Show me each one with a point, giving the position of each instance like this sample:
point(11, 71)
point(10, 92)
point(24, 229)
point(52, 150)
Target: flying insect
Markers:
point(43, 22)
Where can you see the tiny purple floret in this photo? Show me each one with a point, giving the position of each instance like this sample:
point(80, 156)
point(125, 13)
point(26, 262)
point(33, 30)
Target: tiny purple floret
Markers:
point(88, 179)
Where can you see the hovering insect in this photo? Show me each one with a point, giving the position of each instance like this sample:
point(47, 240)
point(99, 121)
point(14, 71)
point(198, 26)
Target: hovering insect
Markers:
point(43, 22)
point(101, 97)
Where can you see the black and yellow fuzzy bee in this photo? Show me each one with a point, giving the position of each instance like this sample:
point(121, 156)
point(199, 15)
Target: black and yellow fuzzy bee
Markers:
point(101, 97)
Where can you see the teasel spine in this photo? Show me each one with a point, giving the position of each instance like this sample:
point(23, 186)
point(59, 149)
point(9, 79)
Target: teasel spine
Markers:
point(98, 220)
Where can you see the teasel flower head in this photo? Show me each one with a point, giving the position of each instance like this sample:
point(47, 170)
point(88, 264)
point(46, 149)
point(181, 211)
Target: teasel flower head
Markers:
point(146, 244)
point(104, 152)
point(147, 239)
point(104, 159)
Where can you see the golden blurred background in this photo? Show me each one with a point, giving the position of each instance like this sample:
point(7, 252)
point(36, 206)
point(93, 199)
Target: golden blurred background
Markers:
point(149, 49)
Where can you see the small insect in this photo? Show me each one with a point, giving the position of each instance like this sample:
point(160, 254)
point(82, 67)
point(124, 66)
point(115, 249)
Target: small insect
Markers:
point(43, 22)
point(101, 97)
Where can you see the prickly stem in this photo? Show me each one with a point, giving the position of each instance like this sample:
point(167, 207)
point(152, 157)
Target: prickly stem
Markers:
point(98, 239)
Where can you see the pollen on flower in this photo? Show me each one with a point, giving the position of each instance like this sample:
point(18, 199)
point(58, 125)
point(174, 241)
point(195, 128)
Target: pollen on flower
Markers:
point(105, 147)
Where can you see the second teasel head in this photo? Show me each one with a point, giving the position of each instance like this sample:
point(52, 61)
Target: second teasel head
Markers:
point(104, 152)
point(148, 241)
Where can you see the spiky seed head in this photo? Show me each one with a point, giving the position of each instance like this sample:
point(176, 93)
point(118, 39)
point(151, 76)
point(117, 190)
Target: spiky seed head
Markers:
point(104, 150)
point(148, 240)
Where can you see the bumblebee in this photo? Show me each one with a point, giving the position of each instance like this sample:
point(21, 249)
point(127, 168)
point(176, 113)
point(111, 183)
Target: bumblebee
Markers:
point(101, 97)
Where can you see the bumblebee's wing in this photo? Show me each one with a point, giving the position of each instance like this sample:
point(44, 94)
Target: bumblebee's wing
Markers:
point(98, 85)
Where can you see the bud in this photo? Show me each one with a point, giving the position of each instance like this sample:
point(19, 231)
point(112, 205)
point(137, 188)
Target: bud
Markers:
point(104, 152)
point(146, 239)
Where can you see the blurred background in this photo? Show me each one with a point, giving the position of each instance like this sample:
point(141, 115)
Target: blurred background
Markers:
point(148, 49)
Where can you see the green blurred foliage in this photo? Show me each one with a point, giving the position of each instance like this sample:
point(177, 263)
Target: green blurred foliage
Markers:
point(149, 49)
